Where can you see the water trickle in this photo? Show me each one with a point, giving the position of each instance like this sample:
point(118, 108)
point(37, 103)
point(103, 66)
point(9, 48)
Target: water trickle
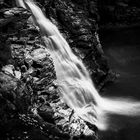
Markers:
point(75, 84)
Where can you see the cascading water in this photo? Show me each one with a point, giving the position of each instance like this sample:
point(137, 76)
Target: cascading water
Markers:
point(75, 85)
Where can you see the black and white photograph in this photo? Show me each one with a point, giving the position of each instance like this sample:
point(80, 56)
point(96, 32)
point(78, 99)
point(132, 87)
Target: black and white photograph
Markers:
point(69, 69)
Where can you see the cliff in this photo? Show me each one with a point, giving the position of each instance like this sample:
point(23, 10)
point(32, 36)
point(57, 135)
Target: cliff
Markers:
point(30, 104)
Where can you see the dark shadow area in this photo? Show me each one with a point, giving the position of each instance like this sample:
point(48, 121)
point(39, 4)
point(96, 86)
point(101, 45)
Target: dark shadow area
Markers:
point(119, 11)
point(122, 48)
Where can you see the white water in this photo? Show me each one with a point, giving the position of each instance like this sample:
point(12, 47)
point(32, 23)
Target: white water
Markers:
point(75, 84)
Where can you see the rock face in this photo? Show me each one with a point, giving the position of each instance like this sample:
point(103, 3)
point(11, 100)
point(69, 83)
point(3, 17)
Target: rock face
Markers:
point(31, 107)
point(126, 12)
point(10, 20)
point(30, 104)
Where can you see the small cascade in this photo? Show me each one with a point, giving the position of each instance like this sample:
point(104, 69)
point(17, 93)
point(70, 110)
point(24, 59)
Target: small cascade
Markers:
point(75, 85)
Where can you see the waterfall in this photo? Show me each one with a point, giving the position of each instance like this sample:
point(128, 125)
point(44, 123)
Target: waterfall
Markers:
point(74, 82)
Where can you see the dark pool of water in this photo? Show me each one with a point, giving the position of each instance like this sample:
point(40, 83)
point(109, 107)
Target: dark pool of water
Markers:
point(122, 48)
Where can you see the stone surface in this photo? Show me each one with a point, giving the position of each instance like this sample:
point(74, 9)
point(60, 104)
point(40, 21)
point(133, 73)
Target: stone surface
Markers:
point(11, 21)
point(118, 12)
point(31, 107)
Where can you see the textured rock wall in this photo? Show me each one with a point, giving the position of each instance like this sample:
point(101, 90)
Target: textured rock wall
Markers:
point(30, 106)
point(119, 11)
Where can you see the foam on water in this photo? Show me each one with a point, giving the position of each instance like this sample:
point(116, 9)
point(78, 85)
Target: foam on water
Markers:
point(75, 85)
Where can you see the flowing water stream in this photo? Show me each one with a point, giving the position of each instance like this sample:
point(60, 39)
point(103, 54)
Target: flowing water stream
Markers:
point(122, 47)
point(75, 85)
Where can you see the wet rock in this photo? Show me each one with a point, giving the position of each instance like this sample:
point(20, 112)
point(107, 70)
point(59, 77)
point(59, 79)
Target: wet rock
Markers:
point(119, 12)
point(13, 15)
point(46, 113)
point(43, 114)
point(69, 122)
point(10, 20)
point(5, 51)
point(31, 106)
